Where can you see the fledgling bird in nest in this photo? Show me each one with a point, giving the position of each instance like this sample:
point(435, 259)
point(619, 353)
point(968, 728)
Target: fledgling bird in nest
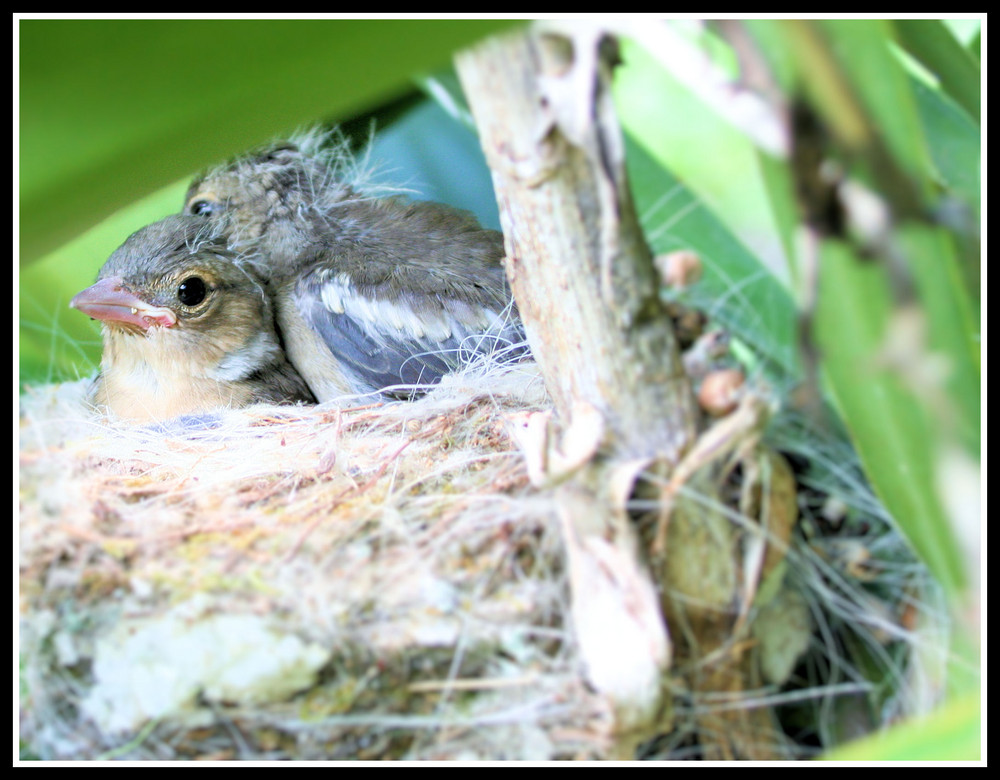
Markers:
point(371, 294)
point(188, 326)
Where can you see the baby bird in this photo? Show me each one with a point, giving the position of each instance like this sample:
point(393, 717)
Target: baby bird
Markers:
point(187, 327)
point(371, 294)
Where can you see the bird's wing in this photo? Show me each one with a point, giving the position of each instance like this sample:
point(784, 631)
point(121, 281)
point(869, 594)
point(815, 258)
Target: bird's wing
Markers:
point(366, 336)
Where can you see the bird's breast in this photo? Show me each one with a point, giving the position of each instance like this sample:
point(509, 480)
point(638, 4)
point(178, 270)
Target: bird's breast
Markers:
point(146, 377)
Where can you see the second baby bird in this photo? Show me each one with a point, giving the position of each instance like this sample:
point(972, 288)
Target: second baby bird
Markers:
point(371, 294)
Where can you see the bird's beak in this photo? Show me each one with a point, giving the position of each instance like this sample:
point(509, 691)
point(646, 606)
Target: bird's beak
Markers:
point(109, 301)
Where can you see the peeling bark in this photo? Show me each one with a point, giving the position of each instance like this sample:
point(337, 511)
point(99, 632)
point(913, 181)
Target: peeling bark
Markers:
point(580, 269)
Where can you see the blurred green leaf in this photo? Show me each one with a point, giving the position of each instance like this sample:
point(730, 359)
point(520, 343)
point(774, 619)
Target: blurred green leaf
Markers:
point(713, 158)
point(780, 189)
point(186, 94)
point(895, 437)
point(931, 43)
point(112, 110)
point(954, 142)
point(953, 330)
point(772, 45)
point(860, 49)
point(860, 90)
point(882, 125)
point(951, 733)
point(975, 43)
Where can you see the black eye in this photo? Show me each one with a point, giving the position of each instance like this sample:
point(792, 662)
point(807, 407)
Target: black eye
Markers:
point(283, 153)
point(205, 207)
point(192, 291)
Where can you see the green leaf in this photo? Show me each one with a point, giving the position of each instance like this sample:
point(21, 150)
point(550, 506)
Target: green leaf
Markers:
point(780, 189)
point(975, 44)
point(112, 110)
point(953, 331)
point(183, 95)
point(931, 43)
point(713, 158)
point(951, 733)
point(729, 207)
point(861, 50)
point(861, 92)
point(897, 440)
point(954, 142)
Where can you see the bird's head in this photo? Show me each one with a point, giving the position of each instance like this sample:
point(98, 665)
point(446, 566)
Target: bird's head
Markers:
point(188, 325)
point(177, 274)
point(278, 187)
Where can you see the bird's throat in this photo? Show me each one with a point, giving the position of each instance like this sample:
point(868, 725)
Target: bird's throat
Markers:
point(142, 381)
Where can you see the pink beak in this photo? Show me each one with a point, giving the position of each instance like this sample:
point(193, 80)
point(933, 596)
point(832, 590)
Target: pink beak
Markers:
point(109, 301)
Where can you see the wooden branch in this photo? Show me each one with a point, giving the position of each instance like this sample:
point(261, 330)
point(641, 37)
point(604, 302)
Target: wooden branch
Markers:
point(587, 290)
point(578, 264)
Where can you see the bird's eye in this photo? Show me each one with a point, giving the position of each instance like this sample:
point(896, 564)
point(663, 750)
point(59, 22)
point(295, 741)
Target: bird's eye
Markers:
point(205, 207)
point(283, 153)
point(192, 291)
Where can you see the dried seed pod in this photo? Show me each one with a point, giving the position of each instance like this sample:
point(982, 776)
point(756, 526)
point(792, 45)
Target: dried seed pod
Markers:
point(679, 269)
point(720, 391)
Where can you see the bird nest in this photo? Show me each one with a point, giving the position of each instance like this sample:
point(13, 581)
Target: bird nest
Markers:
point(377, 580)
point(369, 581)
